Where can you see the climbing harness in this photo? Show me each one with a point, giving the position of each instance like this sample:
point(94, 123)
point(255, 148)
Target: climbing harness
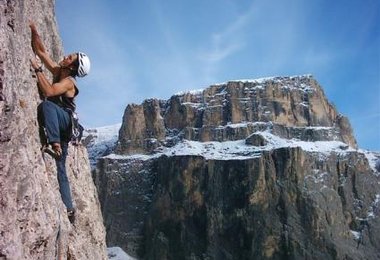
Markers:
point(76, 131)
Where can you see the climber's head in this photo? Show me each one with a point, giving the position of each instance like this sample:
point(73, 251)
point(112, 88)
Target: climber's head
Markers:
point(84, 64)
point(78, 63)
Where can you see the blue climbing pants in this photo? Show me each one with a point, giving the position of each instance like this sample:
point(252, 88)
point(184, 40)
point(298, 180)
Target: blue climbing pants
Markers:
point(57, 123)
point(64, 185)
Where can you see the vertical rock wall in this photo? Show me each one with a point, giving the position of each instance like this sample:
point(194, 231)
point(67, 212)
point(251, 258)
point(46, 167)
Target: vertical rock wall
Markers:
point(292, 102)
point(33, 220)
point(286, 204)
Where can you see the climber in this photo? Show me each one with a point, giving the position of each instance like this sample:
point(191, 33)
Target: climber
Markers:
point(54, 113)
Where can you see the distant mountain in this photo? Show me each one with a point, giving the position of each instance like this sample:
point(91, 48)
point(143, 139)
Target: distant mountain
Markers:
point(247, 169)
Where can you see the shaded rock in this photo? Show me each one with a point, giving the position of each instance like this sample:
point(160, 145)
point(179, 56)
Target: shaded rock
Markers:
point(258, 209)
point(286, 203)
point(126, 193)
point(377, 165)
point(256, 140)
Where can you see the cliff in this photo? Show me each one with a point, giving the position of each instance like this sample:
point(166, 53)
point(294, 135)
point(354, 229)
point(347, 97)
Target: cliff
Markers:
point(33, 222)
point(289, 103)
point(248, 169)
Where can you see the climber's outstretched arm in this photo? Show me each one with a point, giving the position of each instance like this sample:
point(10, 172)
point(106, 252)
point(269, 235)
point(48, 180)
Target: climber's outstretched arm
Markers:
point(40, 51)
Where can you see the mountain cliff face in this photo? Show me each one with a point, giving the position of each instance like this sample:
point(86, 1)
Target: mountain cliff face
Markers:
point(250, 169)
point(292, 104)
point(33, 219)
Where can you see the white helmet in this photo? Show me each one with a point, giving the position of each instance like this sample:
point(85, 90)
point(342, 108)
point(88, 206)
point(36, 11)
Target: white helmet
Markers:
point(84, 64)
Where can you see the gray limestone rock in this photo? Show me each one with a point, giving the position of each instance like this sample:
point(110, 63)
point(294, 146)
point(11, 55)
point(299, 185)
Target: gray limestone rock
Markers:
point(33, 219)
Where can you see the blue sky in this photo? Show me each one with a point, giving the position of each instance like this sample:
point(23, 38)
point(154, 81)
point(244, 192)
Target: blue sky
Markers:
point(141, 49)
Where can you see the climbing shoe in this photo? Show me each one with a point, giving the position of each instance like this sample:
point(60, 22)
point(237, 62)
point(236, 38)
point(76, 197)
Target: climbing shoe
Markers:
point(71, 215)
point(53, 150)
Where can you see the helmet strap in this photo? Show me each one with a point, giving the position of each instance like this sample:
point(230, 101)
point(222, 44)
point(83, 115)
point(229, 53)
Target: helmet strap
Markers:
point(66, 68)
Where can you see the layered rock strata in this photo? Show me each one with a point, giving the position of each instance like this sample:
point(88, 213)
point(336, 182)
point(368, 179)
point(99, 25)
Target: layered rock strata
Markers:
point(253, 169)
point(33, 219)
point(220, 112)
point(284, 204)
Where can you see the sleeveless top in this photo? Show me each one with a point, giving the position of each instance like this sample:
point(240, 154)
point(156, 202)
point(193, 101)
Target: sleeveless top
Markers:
point(67, 103)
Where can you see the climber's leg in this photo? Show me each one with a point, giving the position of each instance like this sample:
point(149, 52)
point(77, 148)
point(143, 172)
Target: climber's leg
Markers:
point(55, 120)
point(64, 185)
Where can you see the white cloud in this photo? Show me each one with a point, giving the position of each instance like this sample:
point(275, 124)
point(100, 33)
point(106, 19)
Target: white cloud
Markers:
point(228, 41)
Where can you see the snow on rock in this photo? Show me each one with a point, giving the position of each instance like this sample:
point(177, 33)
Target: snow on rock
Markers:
point(356, 235)
point(193, 92)
point(373, 160)
point(100, 141)
point(239, 150)
point(266, 79)
point(102, 134)
point(258, 85)
point(375, 207)
point(116, 253)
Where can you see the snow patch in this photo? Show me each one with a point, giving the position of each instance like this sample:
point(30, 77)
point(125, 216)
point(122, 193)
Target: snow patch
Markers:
point(373, 160)
point(239, 150)
point(323, 147)
point(102, 134)
point(141, 157)
point(244, 124)
point(273, 78)
point(192, 92)
point(356, 235)
point(116, 253)
point(374, 207)
point(264, 80)
point(194, 105)
point(318, 176)
point(303, 87)
point(100, 141)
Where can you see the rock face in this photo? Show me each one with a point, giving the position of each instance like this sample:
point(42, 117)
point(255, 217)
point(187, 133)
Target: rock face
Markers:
point(285, 204)
point(209, 115)
point(33, 222)
point(258, 169)
point(145, 127)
